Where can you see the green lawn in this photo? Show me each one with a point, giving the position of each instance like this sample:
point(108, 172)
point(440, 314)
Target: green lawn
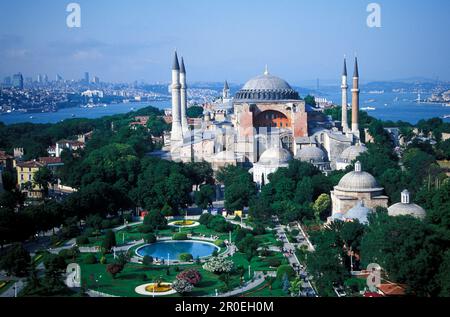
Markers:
point(137, 274)
point(132, 276)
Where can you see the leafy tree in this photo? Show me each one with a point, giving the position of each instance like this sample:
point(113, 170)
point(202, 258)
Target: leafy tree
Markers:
point(109, 241)
point(16, 261)
point(155, 219)
point(43, 177)
point(321, 206)
point(204, 197)
point(194, 112)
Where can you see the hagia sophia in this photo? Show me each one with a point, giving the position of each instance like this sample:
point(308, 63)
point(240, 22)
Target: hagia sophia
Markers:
point(266, 124)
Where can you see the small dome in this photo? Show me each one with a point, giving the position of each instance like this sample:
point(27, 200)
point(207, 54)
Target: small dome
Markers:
point(359, 212)
point(352, 152)
point(311, 154)
point(358, 181)
point(225, 156)
point(275, 156)
point(400, 209)
point(405, 208)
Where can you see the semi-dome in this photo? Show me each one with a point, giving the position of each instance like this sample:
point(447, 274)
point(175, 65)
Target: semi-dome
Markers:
point(267, 87)
point(275, 156)
point(359, 212)
point(358, 181)
point(352, 152)
point(406, 208)
point(311, 154)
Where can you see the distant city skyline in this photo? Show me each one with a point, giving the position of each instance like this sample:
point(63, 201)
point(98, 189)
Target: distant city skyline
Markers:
point(300, 41)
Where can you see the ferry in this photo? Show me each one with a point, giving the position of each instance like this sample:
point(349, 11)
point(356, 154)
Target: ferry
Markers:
point(368, 108)
point(447, 116)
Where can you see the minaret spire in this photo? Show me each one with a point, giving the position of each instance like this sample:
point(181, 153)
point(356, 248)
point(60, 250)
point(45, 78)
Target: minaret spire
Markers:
point(266, 71)
point(344, 87)
point(355, 101)
point(183, 96)
point(176, 135)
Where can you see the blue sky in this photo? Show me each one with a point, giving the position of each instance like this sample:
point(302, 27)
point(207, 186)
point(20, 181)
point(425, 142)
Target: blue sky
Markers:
point(300, 40)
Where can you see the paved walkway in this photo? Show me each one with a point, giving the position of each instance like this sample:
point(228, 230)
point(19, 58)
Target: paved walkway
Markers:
point(258, 280)
point(292, 258)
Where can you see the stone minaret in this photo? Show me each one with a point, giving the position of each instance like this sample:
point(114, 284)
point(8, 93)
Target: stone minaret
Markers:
point(177, 134)
point(355, 101)
point(183, 94)
point(344, 88)
point(226, 91)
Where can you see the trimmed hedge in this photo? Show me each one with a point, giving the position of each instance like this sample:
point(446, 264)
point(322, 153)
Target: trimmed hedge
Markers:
point(180, 236)
point(90, 259)
point(185, 257)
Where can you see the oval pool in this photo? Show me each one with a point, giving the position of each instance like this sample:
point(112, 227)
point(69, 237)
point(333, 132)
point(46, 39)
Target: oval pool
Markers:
point(160, 250)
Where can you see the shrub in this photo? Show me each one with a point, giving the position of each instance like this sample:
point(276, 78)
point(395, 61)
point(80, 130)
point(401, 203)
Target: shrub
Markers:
point(273, 262)
point(295, 232)
point(145, 229)
point(82, 240)
point(192, 276)
point(147, 260)
point(90, 259)
point(182, 286)
point(114, 269)
point(109, 241)
point(144, 277)
point(150, 238)
point(103, 260)
point(180, 236)
point(185, 257)
point(259, 230)
point(218, 265)
point(219, 243)
point(285, 269)
point(205, 219)
point(106, 224)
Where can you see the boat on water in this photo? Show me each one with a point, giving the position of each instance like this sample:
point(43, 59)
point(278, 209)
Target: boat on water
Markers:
point(447, 116)
point(368, 108)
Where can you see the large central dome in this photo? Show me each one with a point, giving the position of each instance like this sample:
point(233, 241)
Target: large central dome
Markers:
point(267, 87)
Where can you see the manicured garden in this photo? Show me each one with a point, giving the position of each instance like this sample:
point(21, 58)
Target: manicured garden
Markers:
point(100, 271)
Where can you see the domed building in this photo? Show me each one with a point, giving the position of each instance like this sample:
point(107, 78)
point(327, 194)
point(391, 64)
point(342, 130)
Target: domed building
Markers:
point(314, 155)
point(360, 212)
point(349, 155)
point(357, 186)
point(269, 162)
point(264, 106)
point(406, 208)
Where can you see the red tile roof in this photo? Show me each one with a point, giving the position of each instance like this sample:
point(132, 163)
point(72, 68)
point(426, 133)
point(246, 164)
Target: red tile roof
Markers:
point(50, 160)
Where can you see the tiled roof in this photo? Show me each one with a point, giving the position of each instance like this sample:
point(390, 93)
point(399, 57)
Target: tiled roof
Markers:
point(30, 164)
point(50, 160)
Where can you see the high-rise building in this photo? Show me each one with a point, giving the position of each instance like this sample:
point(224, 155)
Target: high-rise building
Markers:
point(58, 78)
point(86, 77)
point(45, 79)
point(39, 79)
point(17, 81)
point(96, 80)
